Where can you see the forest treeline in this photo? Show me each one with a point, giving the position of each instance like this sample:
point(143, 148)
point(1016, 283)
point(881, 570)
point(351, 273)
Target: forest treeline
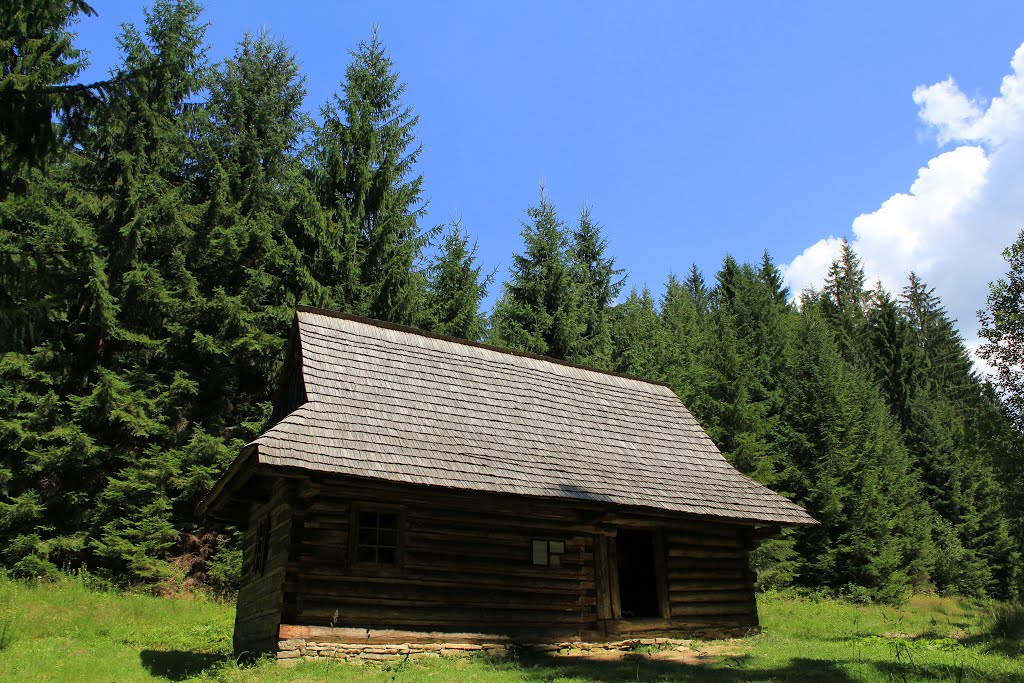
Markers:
point(157, 230)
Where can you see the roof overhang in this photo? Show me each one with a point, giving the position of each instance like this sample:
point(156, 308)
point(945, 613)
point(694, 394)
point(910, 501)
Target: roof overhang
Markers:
point(223, 500)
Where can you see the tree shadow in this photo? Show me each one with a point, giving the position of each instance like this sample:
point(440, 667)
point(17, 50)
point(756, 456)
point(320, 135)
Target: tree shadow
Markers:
point(631, 668)
point(177, 665)
point(960, 670)
point(996, 644)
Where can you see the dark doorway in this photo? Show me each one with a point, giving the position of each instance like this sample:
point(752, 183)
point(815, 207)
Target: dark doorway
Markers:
point(638, 588)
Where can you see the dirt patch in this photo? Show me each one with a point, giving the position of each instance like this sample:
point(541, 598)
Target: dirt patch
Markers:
point(680, 654)
point(899, 634)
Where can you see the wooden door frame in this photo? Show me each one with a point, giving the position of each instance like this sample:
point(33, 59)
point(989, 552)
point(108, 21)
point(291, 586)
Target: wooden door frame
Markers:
point(609, 597)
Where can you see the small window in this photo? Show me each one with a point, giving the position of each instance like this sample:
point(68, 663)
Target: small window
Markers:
point(548, 553)
point(261, 547)
point(377, 536)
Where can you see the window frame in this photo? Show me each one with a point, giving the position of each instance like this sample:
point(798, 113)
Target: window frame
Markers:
point(353, 539)
point(548, 552)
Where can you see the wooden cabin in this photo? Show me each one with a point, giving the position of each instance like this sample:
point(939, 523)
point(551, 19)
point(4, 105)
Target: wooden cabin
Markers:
point(415, 488)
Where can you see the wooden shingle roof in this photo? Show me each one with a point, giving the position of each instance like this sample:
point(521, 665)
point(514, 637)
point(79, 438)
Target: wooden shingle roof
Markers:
point(396, 404)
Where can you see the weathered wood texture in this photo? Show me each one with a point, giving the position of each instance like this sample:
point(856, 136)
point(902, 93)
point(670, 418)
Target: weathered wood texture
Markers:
point(467, 568)
point(708, 574)
point(260, 598)
point(400, 405)
point(466, 564)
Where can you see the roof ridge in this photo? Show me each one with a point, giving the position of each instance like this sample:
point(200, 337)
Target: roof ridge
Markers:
point(373, 322)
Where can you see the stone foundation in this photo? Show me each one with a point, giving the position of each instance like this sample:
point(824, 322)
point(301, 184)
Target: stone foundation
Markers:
point(295, 649)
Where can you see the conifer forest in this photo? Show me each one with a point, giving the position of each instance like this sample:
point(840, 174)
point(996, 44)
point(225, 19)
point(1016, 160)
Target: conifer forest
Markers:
point(158, 228)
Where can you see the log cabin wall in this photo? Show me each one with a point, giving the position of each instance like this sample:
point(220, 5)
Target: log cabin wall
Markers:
point(465, 566)
point(709, 582)
point(705, 587)
point(465, 563)
point(264, 561)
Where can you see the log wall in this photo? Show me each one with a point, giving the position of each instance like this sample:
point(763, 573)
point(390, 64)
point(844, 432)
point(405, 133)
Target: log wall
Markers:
point(710, 584)
point(466, 564)
point(260, 597)
point(466, 568)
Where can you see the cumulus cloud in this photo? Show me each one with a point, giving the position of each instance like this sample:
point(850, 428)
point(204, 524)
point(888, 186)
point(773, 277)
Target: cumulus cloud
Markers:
point(955, 117)
point(963, 209)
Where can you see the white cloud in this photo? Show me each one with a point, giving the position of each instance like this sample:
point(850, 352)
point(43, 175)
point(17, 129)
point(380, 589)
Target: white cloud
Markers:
point(808, 269)
point(957, 118)
point(963, 209)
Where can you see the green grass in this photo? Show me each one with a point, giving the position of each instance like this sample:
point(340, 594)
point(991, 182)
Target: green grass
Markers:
point(67, 631)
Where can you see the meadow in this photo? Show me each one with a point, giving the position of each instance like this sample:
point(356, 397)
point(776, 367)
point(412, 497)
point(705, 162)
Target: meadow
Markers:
point(71, 631)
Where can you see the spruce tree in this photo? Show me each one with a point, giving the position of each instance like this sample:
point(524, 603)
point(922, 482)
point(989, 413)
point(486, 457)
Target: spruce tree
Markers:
point(598, 283)
point(638, 341)
point(685, 323)
point(697, 288)
point(850, 468)
point(744, 368)
point(771, 276)
point(364, 168)
point(43, 243)
point(249, 270)
point(940, 409)
point(893, 356)
point(456, 286)
point(538, 308)
point(142, 156)
point(947, 361)
point(844, 303)
point(50, 467)
point(38, 62)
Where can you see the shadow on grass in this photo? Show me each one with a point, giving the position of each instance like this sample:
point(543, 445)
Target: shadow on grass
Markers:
point(176, 665)
point(957, 671)
point(987, 642)
point(645, 670)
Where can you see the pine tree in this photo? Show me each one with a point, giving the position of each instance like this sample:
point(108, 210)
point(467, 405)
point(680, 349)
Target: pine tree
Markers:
point(638, 337)
point(771, 276)
point(39, 62)
point(893, 355)
point(849, 466)
point(844, 303)
point(249, 270)
point(364, 168)
point(744, 367)
point(697, 288)
point(538, 308)
point(598, 284)
point(947, 360)
point(143, 157)
point(686, 342)
point(455, 288)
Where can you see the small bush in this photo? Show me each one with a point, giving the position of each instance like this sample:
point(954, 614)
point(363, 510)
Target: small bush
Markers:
point(35, 568)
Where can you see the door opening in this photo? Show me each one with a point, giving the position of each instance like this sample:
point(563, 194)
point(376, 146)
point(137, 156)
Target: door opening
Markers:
point(638, 588)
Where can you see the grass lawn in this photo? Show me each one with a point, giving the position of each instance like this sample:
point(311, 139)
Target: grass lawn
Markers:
point(68, 632)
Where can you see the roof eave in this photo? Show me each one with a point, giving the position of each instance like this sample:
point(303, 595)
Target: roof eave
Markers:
point(609, 506)
point(236, 475)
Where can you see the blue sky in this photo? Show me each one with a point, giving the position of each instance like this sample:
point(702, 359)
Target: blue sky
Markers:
point(693, 129)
